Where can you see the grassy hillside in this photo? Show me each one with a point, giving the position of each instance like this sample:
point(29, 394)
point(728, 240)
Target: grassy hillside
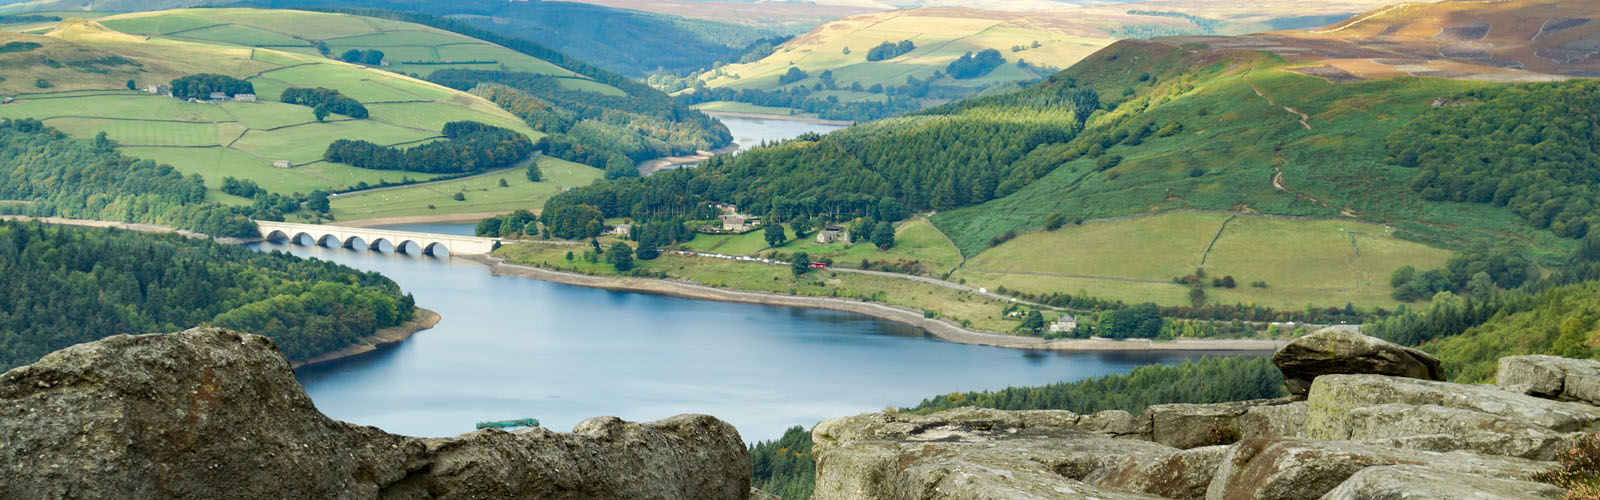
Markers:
point(408, 48)
point(576, 111)
point(1030, 44)
point(84, 67)
point(620, 40)
point(1330, 179)
point(1300, 261)
point(826, 65)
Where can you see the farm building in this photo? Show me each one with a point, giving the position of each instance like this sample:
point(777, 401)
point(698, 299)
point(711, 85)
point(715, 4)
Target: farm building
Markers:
point(157, 89)
point(282, 164)
point(622, 230)
point(831, 234)
point(219, 96)
point(1065, 323)
point(244, 97)
point(736, 222)
point(7, 100)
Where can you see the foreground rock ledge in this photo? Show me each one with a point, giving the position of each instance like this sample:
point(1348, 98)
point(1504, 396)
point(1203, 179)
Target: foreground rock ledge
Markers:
point(1371, 424)
point(211, 413)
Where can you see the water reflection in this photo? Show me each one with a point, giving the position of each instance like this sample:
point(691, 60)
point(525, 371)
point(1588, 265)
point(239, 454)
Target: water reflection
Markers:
point(512, 347)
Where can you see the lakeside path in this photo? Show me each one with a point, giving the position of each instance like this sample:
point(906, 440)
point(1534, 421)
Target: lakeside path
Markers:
point(937, 327)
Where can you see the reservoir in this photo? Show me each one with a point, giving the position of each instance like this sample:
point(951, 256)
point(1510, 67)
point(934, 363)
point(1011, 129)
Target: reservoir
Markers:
point(749, 132)
point(511, 347)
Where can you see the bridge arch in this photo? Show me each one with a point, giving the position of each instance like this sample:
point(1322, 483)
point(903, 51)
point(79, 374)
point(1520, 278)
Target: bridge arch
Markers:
point(406, 242)
point(434, 248)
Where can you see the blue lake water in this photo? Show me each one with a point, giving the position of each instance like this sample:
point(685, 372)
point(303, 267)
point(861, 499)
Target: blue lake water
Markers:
point(512, 347)
point(751, 132)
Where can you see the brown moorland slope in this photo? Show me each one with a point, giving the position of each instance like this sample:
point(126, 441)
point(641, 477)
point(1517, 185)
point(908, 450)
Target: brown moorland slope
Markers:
point(1518, 40)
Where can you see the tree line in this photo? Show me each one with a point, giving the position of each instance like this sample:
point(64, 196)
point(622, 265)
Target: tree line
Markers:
point(88, 179)
point(942, 159)
point(970, 66)
point(1452, 313)
point(1531, 148)
point(471, 147)
point(609, 132)
point(890, 50)
point(324, 101)
point(201, 86)
point(372, 57)
point(68, 285)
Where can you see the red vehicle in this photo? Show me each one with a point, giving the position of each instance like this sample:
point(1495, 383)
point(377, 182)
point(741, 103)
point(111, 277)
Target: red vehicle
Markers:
point(819, 265)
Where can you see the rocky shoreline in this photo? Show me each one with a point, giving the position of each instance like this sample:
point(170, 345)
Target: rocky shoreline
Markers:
point(940, 328)
point(423, 320)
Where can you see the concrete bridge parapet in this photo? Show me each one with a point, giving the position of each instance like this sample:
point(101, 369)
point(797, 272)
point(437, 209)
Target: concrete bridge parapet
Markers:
point(347, 237)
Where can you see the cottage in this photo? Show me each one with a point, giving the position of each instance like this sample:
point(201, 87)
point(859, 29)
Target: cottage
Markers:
point(831, 234)
point(219, 96)
point(1064, 324)
point(244, 97)
point(157, 89)
point(622, 230)
point(732, 222)
point(282, 164)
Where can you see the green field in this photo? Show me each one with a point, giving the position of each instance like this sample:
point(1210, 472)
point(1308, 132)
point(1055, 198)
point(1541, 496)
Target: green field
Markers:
point(978, 311)
point(243, 139)
point(915, 241)
point(941, 37)
point(1233, 138)
point(741, 107)
point(408, 48)
point(483, 193)
point(1324, 262)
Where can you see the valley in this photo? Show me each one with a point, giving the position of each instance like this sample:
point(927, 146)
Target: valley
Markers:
point(1087, 223)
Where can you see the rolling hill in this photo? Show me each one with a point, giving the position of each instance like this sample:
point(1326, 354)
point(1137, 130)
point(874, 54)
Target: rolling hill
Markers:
point(619, 40)
point(1313, 163)
point(79, 70)
point(834, 66)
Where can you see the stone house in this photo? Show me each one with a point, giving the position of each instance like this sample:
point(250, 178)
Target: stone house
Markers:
point(739, 223)
point(1064, 324)
point(833, 233)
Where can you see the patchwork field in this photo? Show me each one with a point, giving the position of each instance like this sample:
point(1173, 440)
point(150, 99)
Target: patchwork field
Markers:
point(941, 37)
point(483, 193)
point(91, 62)
point(1325, 262)
point(915, 241)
